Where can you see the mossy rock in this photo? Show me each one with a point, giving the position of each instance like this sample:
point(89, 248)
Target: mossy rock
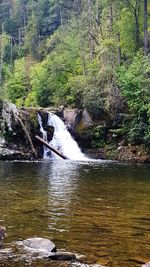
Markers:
point(33, 118)
point(110, 151)
point(50, 132)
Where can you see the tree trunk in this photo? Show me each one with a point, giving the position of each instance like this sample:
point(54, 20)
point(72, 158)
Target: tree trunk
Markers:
point(61, 18)
point(135, 11)
point(137, 34)
point(50, 147)
point(112, 53)
point(90, 30)
point(145, 29)
point(119, 48)
point(1, 54)
point(18, 118)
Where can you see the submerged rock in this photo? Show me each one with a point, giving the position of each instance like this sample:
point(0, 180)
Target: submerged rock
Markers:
point(64, 256)
point(39, 243)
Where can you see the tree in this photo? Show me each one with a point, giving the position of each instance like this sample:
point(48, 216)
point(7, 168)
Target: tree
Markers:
point(145, 29)
point(134, 7)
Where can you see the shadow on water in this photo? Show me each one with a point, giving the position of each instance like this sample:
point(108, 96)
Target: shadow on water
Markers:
point(97, 208)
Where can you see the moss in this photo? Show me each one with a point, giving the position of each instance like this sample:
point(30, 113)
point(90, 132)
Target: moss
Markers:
point(34, 118)
point(110, 151)
point(93, 137)
point(80, 127)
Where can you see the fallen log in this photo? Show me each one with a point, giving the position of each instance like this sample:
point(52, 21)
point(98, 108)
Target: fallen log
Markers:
point(50, 147)
point(18, 118)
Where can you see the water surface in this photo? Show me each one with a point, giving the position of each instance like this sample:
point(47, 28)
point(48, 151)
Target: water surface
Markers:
point(99, 209)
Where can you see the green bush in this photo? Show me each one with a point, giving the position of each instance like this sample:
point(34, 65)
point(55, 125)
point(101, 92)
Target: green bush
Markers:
point(93, 101)
point(137, 133)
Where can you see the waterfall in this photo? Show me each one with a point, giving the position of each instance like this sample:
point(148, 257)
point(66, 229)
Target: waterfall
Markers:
point(62, 139)
point(46, 150)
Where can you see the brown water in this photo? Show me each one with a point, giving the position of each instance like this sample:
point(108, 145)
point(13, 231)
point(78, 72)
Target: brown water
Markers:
point(98, 209)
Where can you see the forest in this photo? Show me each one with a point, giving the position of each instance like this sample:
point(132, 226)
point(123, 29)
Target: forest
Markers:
point(92, 54)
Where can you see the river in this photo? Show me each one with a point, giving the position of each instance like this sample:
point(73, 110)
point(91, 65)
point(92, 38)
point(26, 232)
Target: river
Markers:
point(97, 208)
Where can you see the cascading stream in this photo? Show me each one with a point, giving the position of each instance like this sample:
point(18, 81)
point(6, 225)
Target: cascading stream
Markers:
point(62, 140)
point(46, 150)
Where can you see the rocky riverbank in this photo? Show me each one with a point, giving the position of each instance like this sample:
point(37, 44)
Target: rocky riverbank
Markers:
point(100, 139)
point(33, 249)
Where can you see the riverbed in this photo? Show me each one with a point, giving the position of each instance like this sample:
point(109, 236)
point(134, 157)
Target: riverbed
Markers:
point(97, 208)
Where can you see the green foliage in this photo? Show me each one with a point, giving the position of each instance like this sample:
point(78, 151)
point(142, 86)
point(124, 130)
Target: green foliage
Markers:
point(83, 54)
point(127, 33)
point(94, 102)
point(137, 133)
point(76, 85)
point(31, 100)
point(98, 137)
point(135, 84)
point(41, 86)
point(134, 81)
point(18, 84)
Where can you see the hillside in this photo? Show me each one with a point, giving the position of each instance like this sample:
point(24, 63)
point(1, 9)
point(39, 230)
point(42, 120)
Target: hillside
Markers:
point(84, 54)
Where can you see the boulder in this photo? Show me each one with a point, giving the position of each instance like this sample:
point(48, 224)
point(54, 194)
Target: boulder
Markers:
point(79, 264)
point(11, 154)
point(134, 153)
point(146, 264)
point(2, 235)
point(39, 243)
point(77, 120)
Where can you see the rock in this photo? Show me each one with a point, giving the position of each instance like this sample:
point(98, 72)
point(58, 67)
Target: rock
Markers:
point(72, 118)
point(9, 154)
point(2, 142)
point(2, 235)
point(79, 264)
point(80, 257)
point(6, 250)
point(142, 159)
point(146, 264)
point(64, 256)
point(135, 153)
point(40, 243)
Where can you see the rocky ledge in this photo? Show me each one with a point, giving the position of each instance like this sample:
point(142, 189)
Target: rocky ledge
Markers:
point(18, 128)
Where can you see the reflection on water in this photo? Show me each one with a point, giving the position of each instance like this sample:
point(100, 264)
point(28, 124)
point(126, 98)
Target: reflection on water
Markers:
point(99, 209)
point(61, 186)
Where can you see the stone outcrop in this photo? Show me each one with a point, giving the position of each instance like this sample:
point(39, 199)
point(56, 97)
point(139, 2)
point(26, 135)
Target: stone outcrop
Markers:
point(133, 153)
point(18, 128)
point(13, 154)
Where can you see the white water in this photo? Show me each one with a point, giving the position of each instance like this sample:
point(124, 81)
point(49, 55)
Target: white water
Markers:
point(46, 150)
point(62, 140)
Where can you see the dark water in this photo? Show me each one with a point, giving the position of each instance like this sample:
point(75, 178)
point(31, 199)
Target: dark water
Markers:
point(98, 209)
